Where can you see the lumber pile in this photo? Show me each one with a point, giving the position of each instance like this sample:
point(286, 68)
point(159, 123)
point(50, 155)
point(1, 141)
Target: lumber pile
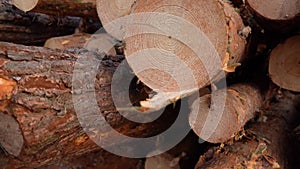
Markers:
point(225, 73)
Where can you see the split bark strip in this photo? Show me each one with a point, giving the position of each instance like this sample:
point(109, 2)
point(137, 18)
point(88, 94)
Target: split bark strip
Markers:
point(41, 102)
point(242, 102)
point(81, 8)
point(32, 28)
point(280, 15)
point(266, 144)
point(284, 64)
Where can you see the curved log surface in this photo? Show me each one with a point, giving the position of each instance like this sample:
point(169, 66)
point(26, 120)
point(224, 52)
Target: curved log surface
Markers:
point(38, 95)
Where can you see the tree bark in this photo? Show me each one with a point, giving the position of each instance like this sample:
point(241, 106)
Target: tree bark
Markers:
point(82, 40)
point(82, 8)
point(36, 94)
point(266, 144)
point(284, 64)
point(32, 28)
point(35, 28)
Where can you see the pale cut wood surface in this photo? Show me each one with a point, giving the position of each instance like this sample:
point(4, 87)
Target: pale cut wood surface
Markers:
point(242, 102)
point(217, 20)
point(276, 15)
point(284, 64)
point(25, 5)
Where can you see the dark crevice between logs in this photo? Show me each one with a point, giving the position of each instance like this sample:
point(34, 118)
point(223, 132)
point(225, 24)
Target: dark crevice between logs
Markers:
point(31, 28)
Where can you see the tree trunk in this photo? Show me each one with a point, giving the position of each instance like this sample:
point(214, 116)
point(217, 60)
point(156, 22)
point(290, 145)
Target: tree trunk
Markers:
point(266, 144)
point(279, 16)
point(216, 20)
point(82, 8)
point(82, 40)
point(32, 28)
point(284, 64)
point(36, 99)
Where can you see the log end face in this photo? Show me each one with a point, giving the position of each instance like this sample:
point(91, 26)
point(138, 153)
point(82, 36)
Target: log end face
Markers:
point(277, 10)
point(284, 64)
point(242, 101)
point(11, 138)
point(25, 5)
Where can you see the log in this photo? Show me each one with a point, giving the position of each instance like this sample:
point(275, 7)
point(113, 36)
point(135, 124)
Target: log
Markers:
point(284, 64)
point(162, 161)
point(183, 155)
point(217, 20)
point(32, 28)
point(99, 159)
point(279, 16)
point(82, 40)
point(25, 5)
point(36, 95)
point(82, 8)
point(242, 103)
point(266, 144)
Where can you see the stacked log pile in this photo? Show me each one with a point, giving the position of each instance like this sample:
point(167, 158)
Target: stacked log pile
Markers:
point(232, 63)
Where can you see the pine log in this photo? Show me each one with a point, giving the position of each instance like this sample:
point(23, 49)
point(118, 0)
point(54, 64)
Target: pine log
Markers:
point(242, 103)
point(216, 19)
point(284, 64)
point(32, 28)
point(82, 8)
point(36, 96)
point(82, 40)
point(267, 143)
point(280, 15)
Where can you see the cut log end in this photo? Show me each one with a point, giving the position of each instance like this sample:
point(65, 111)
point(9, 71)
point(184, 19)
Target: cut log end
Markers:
point(242, 101)
point(177, 60)
point(277, 10)
point(108, 11)
point(11, 138)
point(284, 64)
point(278, 16)
point(25, 5)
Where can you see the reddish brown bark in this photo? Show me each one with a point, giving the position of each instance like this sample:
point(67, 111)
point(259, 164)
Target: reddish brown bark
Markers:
point(82, 8)
point(41, 103)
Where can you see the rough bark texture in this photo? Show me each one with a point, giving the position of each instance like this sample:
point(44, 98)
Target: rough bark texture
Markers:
point(217, 20)
point(267, 143)
point(280, 15)
point(83, 40)
point(39, 98)
point(32, 28)
point(284, 64)
point(242, 102)
point(82, 8)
